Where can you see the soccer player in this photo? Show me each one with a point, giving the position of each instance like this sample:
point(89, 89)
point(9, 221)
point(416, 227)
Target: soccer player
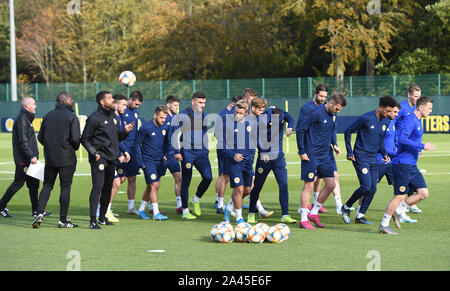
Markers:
point(271, 158)
point(241, 141)
point(404, 166)
point(407, 107)
point(172, 105)
point(314, 138)
point(60, 136)
point(101, 137)
point(371, 130)
point(151, 151)
point(120, 104)
point(25, 152)
point(131, 115)
point(223, 178)
point(191, 149)
point(319, 97)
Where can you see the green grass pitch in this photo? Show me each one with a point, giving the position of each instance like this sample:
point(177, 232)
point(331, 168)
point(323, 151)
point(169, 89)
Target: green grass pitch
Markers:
point(127, 245)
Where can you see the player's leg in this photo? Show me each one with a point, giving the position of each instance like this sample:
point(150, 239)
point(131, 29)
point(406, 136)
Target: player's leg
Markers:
point(364, 178)
point(203, 165)
point(280, 172)
point(186, 177)
point(50, 175)
point(106, 192)
point(368, 197)
point(98, 179)
point(262, 170)
point(19, 181)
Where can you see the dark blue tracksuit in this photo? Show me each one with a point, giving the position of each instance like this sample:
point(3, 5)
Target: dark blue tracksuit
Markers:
point(129, 116)
point(277, 162)
point(369, 141)
point(193, 146)
point(314, 137)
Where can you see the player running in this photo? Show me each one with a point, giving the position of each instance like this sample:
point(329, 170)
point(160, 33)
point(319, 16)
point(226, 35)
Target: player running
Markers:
point(371, 130)
point(404, 167)
point(314, 138)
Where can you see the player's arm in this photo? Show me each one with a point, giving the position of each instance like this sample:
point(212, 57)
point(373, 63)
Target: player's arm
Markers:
point(75, 133)
point(138, 149)
point(304, 127)
point(355, 126)
point(290, 123)
point(86, 137)
point(405, 131)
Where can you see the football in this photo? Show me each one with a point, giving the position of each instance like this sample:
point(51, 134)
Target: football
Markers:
point(256, 234)
point(286, 232)
point(264, 226)
point(213, 232)
point(127, 78)
point(275, 234)
point(241, 232)
point(224, 234)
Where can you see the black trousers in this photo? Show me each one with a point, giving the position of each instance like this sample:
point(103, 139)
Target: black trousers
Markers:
point(102, 172)
point(65, 182)
point(20, 178)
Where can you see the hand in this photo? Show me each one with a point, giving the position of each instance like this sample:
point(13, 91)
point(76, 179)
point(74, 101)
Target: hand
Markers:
point(97, 158)
point(165, 159)
point(127, 157)
point(238, 157)
point(178, 157)
point(34, 160)
point(288, 132)
point(429, 147)
point(304, 157)
point(351, 158)
point(266, 158)
point(386, 159)
point(121, 159)
point(337, 151)
point(128, 127)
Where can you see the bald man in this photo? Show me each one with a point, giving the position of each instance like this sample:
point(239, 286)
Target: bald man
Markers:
point(25, 151)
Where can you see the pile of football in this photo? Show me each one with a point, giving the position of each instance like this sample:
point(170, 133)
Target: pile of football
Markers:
point(224, 232)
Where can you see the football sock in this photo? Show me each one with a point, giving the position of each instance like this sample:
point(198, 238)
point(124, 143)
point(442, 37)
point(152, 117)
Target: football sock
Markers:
point(143, 205)
point(178, 198)
point(195, 199)
point(220, 202)
point(316, 207)
point(130, 204)
point(386, 219)
point(155, 208)
point(259, 205)
point(238, 214)
point(304, 214)
point(315, 196)
point(338, 201)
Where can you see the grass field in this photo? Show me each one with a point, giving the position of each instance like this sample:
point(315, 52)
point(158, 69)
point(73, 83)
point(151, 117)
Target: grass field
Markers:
point(127, 244)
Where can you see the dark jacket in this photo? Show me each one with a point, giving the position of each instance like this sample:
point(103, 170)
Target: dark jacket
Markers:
point(102, 135)
point(60, 136)
point(24, 139)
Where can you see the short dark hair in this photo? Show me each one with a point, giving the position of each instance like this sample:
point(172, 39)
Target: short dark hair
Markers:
point(172, 98)
point(137, 95)
point(338, 98)
point(101, 95)
point(413, 87)
point(235, 99)
point(160, 108)
point(321, 87)
point(62, 96)
point(117, 97)
point(388, 101)
point(199, 95)
point(277, 110)
point(423, 100)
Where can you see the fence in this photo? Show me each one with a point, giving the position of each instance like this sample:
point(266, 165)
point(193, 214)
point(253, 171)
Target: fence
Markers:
point(431, 85)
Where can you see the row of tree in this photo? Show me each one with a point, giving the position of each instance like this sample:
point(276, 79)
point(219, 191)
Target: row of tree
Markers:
point(84, 41)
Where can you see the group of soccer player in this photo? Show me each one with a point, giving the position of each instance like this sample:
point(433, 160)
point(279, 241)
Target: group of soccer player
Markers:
point(388, 143)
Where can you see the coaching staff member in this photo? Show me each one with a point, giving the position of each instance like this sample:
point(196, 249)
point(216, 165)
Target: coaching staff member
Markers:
point(101, 137)
point(60, 136)
point(25, 151)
